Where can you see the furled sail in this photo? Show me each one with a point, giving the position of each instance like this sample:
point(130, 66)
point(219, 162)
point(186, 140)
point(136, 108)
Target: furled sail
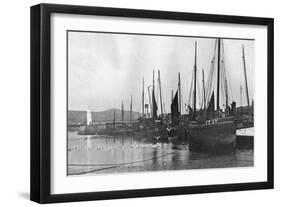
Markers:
point(154, 105)
point(175, 110)
point(211, 107)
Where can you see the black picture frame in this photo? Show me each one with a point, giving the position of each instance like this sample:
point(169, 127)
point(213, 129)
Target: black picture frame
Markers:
point(41, 98)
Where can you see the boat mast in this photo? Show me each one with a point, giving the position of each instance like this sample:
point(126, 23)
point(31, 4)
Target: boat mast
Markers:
point(195, 70)
point(142, 102)
point(153, 92)
point(245, 75)
point(204, 94)
point(226, 93)
point(160, 92)
point(149, 98)
point(225, 78)
point(179, 89)
point(218, 77)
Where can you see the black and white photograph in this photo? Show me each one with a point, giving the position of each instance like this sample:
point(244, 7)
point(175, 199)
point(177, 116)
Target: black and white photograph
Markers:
point(156, 102)
point(132, 103)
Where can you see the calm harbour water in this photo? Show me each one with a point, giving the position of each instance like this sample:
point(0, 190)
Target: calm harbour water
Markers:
point(88, 154)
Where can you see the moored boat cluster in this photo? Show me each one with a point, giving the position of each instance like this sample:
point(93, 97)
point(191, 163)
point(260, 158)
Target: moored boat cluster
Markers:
point(209, 128)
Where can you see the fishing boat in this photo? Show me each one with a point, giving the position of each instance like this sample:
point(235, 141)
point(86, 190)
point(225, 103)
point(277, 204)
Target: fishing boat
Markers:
point(217, 137)
point(245, 115)
point(172, 130)
point(210, 130)
point(176, 131)
point(151, 125)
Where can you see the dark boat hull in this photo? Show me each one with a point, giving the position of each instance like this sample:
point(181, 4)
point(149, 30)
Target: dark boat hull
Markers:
point(178, 133)
point(214, 138)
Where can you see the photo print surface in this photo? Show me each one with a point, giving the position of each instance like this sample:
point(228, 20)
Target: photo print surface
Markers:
point(151, 102)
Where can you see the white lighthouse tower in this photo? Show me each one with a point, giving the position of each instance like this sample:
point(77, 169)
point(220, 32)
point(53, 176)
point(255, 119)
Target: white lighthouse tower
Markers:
point(89, 117)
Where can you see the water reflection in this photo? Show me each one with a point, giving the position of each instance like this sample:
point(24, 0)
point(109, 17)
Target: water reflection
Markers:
point(108, 154)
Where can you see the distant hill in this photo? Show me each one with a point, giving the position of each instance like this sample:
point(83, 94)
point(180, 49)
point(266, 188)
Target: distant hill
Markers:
point(79, 117)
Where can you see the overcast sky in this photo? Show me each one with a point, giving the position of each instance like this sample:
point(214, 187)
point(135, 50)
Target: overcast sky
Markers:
point(104, 68)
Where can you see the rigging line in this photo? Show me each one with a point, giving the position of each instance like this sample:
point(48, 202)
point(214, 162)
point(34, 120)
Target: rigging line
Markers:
point(242, 84)
point(119, 165)
point(231, 92)
point(227, 85)
point(222, 92)
point(149, 99)
point(203, 98)
point(210, 82)
point(228, 76)
point(222, 85)
point(190, 89)
point(140, 106)
point(211, 75)
point(198, 90)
